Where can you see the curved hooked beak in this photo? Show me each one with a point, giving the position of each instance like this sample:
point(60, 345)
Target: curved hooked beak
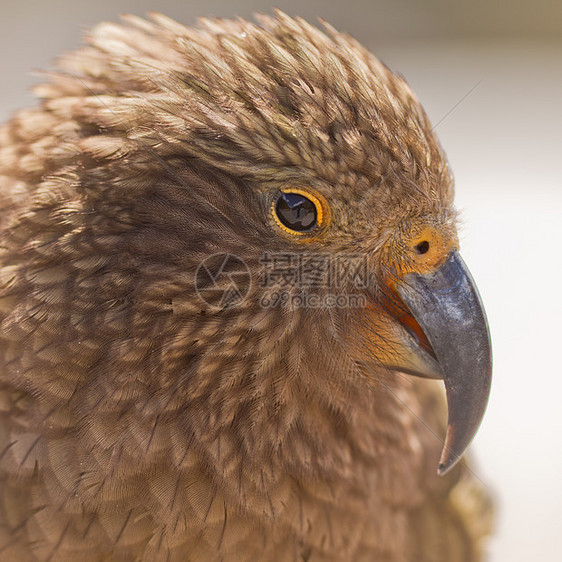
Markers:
point(447, 307)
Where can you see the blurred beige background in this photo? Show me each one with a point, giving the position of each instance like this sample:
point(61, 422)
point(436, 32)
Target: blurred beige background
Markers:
point(490, 77)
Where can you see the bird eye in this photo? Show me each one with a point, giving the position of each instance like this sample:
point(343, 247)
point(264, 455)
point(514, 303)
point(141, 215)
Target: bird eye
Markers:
point(297, 211)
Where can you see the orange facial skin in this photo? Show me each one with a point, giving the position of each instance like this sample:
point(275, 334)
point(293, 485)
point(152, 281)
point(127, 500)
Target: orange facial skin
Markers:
point(395, 337)
point(419, 247)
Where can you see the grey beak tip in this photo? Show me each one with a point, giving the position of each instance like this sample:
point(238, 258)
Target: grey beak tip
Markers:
point(447, 462)
point(447, 306)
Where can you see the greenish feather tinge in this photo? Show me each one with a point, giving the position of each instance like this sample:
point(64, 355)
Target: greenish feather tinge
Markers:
point(170, 386)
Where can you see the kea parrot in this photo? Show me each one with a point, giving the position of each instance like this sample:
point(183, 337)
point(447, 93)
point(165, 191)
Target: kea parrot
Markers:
point(229, 266)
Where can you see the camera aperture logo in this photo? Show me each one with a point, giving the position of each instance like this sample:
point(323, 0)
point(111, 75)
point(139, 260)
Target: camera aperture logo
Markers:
point(222, 280)
point(287, 280)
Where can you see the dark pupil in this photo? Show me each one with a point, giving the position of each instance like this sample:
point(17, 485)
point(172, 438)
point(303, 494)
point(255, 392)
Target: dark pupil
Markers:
point(296, 211)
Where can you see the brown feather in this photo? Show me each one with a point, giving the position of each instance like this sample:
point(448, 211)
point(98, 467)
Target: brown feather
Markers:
point(135, 424)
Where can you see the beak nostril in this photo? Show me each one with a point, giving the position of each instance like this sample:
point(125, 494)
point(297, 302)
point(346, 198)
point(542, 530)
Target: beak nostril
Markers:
point(422, 247)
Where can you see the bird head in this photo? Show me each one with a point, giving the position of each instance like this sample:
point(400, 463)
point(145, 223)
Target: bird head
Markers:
point(282, 166)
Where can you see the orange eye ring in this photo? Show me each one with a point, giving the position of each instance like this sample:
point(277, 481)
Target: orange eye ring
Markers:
point(299, 212)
